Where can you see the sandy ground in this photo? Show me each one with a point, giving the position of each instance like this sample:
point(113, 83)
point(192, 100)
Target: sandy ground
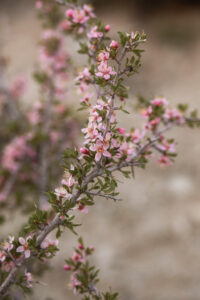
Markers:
point(148, 246)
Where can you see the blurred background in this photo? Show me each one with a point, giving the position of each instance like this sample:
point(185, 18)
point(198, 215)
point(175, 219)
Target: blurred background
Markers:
point(148, 246)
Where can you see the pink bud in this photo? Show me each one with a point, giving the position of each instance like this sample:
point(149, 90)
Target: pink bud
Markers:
point(84, 151)
point(114, 44)
point(69, 13)
point(107, 28)
point(80, 247)
point(121, 130)
point(67, 267)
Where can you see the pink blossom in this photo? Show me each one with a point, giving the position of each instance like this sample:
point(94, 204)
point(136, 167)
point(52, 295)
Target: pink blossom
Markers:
point(114, 44)
point(174, 115)
point(84, 151)
point(136, 136)
point(39, 4)
point(103, 56)
point(47, 242)
point(100, 147)
point(8, 245)
point(164, 160)
point(94, 33)
point(65, 25)
point(147, 112)
point(105, 71)
point(127, 150)
point(159, 102)
point(121, 130)
point(62, 192)
point(67, 267)
point(2, 256)
point(69, 13)
point(83, 208)
point(107, 28)
point(80, 246)
point(24, 247)
point(68, 180)
point(76, 257)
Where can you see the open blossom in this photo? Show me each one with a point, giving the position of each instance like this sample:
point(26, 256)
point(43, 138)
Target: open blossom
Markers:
point(8, 245)
point(105, 71)
point(2, 256)
point(101, 149)
point(47, 242)
point(94, 33)
point(103, 56)
point(147, 112)
point(168, 147)
point(174, 115)
point(24, 247)
point(159, 102)
point(84, 75)
point(68, 180)
point(78, 16)
point(136, 136)
point(164, 160)
point(125, 149)
point(62, 192)
point(76, 257)
point(90, 132)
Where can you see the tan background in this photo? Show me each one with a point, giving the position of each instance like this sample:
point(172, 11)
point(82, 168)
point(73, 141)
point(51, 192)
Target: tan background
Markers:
point(148, 246)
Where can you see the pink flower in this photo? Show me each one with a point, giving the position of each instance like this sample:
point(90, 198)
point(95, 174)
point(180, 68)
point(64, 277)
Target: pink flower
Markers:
point(107, 28)
point(164, 160)
point(105, 71)
point(2, 256)
point(62, 192)
point(47, 242)
point(84, 151)
point(8, 245)
point(68, 180)
point(127, 150)
point(76, 257)
point(121, 130)
point(103, 56)
point(67, 267)
point(147, 112)
point(101, 149)
point(80, 246)
point(159, 102)
point(114, 44)
point(65, 25)
point(69, 13)
point(24, 247)
point(39, 4)
point(94, 33)
point(174, 115)
point(83, 208)
point(136, 136)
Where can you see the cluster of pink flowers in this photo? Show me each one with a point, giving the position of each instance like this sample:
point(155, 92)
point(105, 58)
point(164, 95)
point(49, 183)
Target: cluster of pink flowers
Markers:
point(80, 15)
point(15, 152)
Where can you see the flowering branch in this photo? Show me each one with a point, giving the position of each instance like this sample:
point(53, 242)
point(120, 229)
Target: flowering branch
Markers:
point(89, 170)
